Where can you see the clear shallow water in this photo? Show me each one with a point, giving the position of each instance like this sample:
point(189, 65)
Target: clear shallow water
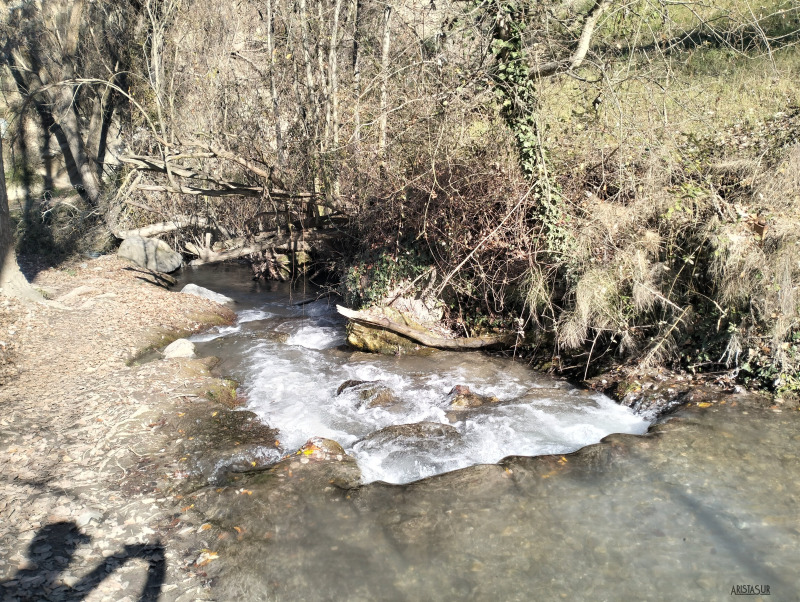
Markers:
point(702, 503)
point(289, 361)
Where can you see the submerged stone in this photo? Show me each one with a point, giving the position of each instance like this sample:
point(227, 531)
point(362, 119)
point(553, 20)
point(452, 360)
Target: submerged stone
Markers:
point(429, 433)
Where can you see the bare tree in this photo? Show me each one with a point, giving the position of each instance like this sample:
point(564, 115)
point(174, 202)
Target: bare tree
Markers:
point(384, 106)
point(12, 282)
point(45, 48)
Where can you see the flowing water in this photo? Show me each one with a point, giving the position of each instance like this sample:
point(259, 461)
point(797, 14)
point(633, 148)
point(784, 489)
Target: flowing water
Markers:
point(290, 360)
point(700, 506)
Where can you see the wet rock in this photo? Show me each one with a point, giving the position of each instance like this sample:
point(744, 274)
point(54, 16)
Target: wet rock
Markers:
point(461, 397)
point(277, 336)
point(419, 434)
point(319, 448)
point(318, 464)
point(217, 442)
point(199, 291)
point(653, 398)
point(371, 394)
point(179, 348)
point(150, 253)
point(351, 383)
point(379, 340)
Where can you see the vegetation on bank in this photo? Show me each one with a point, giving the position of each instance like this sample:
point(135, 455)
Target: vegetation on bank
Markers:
point(616, 181)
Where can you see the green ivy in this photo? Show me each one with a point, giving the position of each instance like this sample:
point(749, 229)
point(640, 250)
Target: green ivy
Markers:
point(516, 94)
point(371, 277)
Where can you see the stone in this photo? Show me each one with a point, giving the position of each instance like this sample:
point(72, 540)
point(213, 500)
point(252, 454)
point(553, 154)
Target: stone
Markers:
point(370, 394)
point(461, 397)
point(89, 516)
point(179, 348)
point(379, 396)
point(320, 448)
point(351, 383)
point(199, 291)
point(422, 435)
point(379, 340)
point(277, 336)
point(150, 253)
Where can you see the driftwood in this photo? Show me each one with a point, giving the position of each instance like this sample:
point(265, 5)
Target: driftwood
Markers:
point(424, 338)
point(297, 241)
point(221, 188)
point(177, 223)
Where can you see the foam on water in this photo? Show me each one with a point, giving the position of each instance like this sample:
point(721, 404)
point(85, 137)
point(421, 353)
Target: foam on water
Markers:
point(214, 333)
point(292, 386)
point(252, 315)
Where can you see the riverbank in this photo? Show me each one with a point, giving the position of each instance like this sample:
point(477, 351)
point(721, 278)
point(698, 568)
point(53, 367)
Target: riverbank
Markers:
point(106, 468)
point(84, 507)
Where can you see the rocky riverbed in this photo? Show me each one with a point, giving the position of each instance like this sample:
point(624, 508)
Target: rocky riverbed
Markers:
point(125, 482)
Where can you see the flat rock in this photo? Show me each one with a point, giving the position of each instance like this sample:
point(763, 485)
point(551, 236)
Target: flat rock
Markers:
point(415, 433)
point(199, 291)
point(150, 253)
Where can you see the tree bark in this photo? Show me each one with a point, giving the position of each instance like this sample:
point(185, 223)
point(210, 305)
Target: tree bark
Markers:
point(38, 74)
point(333, 67)
point(356, 75)
point(12, 282)
point(576, 60)
point(276, 115)
point(179, 222)
point(385, 47)
point(295, 242)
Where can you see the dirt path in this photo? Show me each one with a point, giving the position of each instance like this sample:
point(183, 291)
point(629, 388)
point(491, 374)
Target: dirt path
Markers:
point(88, 509)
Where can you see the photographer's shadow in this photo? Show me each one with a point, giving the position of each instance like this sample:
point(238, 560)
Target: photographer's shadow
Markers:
point(51, 551)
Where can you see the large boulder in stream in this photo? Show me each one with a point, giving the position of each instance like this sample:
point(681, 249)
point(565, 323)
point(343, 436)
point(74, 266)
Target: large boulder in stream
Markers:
point(150, 253)
point(370, 394)
point(379, 340)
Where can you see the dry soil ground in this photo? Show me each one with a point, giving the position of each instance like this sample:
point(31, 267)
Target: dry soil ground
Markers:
point(87, 510)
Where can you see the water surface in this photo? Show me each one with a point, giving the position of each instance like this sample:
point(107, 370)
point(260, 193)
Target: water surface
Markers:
point(289, 357)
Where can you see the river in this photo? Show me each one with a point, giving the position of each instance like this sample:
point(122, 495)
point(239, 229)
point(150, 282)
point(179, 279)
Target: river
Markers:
point(700, 505)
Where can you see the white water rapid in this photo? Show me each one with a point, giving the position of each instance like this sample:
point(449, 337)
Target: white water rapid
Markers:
point(290, 362)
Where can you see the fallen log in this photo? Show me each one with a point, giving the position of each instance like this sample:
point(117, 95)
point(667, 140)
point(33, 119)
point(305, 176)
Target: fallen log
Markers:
point(300, 241)
point(424, 338)
point(179, 222)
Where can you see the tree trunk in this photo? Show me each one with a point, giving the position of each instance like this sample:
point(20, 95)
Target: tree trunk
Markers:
point(356, 76)
point(276, 115)
point(333, 66)
point(387, 16)
point(12, 282)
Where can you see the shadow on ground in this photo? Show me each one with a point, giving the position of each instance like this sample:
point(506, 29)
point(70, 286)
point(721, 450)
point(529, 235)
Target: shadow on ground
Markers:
point(50, 553)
